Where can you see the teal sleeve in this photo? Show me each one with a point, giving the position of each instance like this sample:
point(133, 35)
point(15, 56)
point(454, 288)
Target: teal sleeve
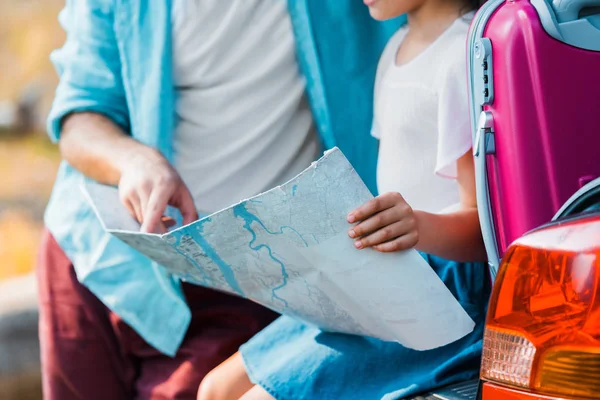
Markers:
point(89, 66)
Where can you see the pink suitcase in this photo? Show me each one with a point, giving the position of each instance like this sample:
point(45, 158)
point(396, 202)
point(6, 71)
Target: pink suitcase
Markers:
point(534, 79)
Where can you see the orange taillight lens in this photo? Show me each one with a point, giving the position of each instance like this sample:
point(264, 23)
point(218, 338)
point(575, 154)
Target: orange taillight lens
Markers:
point(573, 371)
point(544, 316)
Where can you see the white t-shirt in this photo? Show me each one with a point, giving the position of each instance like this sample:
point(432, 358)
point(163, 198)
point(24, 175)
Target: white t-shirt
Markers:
point(421, 116)
point(243, 124)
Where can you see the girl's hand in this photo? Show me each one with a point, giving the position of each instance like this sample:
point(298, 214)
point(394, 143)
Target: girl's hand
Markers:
point(387, 224)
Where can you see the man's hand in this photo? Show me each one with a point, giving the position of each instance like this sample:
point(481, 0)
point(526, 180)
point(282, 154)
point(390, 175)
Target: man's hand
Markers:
point(147, 182)
point(147, 185)
point(387, 224)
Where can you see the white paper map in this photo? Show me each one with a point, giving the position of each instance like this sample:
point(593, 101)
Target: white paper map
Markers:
point(288, 249)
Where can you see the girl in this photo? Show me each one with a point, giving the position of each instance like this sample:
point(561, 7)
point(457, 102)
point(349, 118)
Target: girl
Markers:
point(425, 169)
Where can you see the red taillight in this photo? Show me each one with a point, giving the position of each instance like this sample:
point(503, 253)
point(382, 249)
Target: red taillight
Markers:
point(543, 327)
point(490, 391)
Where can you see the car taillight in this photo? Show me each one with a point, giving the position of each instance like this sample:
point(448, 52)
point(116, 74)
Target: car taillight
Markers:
point(543, 326)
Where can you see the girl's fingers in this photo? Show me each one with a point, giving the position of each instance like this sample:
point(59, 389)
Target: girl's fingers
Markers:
point(385, 234)
point(373, 206)
point(377, 221)
point(405, 242)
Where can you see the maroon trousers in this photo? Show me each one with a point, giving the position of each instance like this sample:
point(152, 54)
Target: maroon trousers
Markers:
point(89, 353)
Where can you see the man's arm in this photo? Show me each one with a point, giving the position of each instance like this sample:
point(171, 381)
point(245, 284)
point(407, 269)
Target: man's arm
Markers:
point(98, 148)
point(147, 182)
point(90, 117)
point(89, 66)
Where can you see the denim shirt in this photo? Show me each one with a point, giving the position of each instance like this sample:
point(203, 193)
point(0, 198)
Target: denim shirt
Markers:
point(117, 61)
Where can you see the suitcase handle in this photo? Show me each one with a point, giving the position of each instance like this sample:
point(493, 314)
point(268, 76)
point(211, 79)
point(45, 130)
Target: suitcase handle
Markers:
point(485, 127)
point(568, 10)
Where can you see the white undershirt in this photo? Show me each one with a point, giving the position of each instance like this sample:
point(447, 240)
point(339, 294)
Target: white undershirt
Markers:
point(422, 120)
point(243, 122)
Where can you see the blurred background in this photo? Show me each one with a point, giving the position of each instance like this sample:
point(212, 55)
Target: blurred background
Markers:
point(29, 31)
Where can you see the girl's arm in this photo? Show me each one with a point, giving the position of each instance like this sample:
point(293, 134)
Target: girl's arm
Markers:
point(457, 235)
point(387, 223)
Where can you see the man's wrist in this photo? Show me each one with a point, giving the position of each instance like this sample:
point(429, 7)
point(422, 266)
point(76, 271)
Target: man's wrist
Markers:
point(136, 155)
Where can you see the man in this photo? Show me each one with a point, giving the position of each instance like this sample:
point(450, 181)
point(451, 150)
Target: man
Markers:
point(194, 104)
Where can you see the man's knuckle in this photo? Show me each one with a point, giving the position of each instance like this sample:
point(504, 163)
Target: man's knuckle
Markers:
point(125, 192)
point(170, 185)
point(146, 185)
point(172, 176)
point(161, 178)
point(165, 181)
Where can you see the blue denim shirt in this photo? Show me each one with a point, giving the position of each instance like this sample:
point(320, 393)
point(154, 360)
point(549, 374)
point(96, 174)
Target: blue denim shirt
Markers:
point(117, 61)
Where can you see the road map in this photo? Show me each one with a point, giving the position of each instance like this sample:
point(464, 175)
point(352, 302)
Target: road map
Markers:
point(288, 249)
